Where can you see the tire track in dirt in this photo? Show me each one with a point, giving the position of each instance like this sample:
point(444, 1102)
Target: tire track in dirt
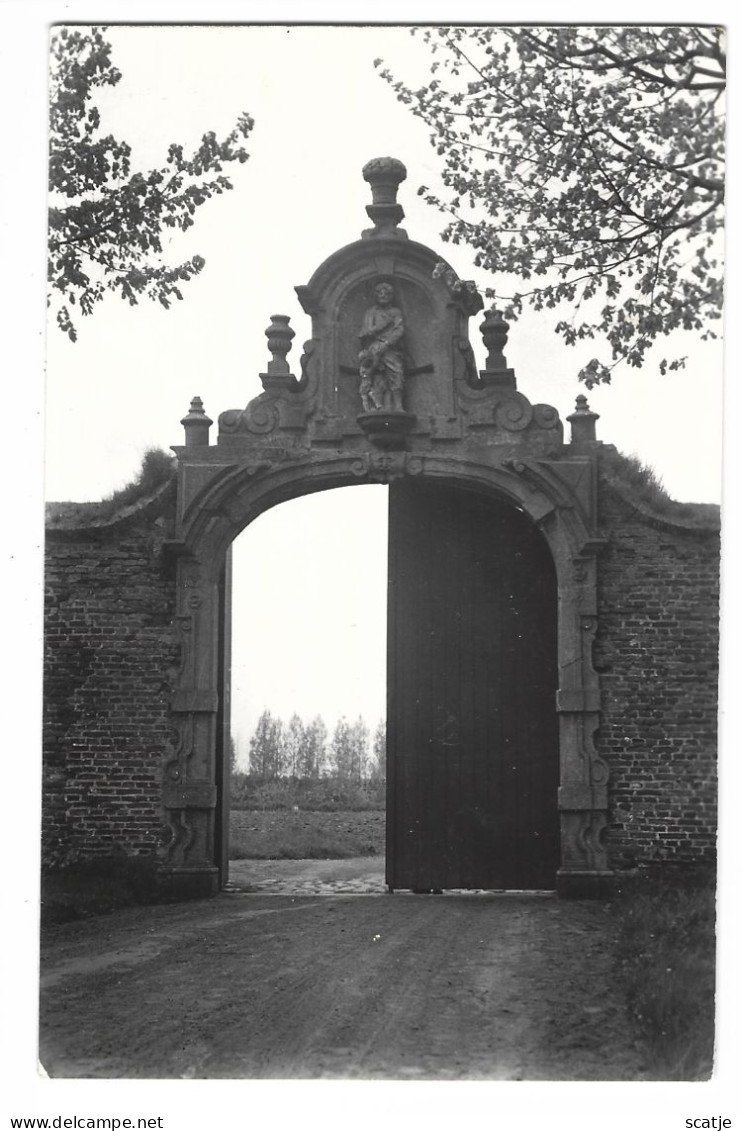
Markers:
point(144, 949)
point(403, 987)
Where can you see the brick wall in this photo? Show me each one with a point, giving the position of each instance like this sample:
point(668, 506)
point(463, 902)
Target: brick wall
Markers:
point(657, 654)
point(109, 658)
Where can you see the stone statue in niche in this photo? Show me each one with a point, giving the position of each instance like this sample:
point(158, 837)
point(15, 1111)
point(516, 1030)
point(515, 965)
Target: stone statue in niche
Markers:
point(380, 358)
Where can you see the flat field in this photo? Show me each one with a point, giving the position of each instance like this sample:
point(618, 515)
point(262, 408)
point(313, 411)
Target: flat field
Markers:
point(284, 834)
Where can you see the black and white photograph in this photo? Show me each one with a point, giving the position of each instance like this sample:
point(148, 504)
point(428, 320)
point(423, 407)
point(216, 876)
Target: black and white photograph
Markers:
point(381, 559)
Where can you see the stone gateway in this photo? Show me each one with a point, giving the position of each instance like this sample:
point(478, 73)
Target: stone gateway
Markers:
point(552, 632)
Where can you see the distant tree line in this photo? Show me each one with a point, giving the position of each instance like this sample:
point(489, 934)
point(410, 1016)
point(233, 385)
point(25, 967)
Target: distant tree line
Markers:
point(298, 749)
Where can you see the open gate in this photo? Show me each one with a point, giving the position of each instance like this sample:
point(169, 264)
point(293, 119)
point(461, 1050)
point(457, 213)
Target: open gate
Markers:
point(473, 744)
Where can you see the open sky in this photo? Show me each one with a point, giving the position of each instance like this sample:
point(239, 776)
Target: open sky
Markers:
point(309, 576)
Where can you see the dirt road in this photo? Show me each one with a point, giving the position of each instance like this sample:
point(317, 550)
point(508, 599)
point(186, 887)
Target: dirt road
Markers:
point(338, 986)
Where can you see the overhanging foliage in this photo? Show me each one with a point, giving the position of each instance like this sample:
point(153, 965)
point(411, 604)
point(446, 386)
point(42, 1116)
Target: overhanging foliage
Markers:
point(587, 162)
point(107, 221)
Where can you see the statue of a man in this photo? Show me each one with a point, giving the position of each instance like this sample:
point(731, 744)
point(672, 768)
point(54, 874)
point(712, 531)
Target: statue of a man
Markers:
point(380, 357)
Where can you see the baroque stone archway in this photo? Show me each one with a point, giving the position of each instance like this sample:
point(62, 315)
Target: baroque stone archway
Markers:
point(388, 389)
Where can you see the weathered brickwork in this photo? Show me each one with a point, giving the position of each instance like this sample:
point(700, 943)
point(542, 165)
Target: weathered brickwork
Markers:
point(657, 655)
point(109, 657)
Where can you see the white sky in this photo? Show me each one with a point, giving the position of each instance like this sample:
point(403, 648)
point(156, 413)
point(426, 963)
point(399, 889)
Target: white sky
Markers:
point(126, 384)
point(321, 112)
point(309, 611)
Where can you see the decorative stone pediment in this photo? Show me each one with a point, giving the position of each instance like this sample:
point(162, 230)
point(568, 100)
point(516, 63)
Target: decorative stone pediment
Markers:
point(389, 363)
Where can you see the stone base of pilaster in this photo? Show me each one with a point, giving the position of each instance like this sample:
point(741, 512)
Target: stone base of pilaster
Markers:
point(188, 883)
point(572, 884)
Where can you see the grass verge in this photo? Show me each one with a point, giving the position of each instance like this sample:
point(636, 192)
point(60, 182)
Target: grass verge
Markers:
point(667, 952)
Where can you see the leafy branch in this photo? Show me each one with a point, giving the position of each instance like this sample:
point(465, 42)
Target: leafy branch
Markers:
point(591, 158)
point(106, 222)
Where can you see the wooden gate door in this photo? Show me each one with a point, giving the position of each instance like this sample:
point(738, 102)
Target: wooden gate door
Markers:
point(472, 744)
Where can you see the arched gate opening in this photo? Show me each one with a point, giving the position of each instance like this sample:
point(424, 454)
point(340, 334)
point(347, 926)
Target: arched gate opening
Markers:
point(308, 687)
point(472, 730)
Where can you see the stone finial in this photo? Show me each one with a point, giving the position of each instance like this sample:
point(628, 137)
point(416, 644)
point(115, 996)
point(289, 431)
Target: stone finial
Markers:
point(196, 424)
point(280, 336)
point(384, 174)
point(494, 330)
point(583, 421)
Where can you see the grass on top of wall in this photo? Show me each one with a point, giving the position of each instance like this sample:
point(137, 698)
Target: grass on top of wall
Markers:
point(642, 481)
point(158, 468)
